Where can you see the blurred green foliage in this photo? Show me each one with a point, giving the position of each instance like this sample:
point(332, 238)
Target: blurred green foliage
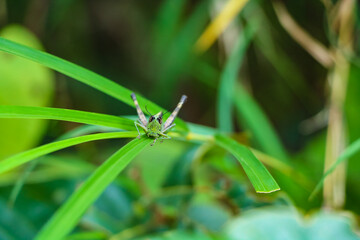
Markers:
point(179, 189)
point(22, 83)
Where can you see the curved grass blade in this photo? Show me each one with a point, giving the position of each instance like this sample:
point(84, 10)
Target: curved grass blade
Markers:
point(66, 115)
point(79, 131)
point(24, 157)
point(81, 74)
point(347, 153)
point(219, 24)
point(166, 23)
point(180, 55)
point(66, 218)
point(255, 120)
point(259, 176)
point(228, 79)
point(86, 129)
point(20, 183)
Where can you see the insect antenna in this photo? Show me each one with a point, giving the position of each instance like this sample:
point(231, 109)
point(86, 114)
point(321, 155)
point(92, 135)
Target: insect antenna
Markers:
point(148, 110)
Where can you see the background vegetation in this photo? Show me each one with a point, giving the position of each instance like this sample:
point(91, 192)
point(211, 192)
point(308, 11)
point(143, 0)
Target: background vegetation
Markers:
point(275, 81)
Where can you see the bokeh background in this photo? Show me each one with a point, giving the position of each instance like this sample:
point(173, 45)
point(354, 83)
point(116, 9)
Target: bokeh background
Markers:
point(299, 62)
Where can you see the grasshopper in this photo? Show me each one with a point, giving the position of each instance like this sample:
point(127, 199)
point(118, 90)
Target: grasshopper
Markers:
point(154, 127)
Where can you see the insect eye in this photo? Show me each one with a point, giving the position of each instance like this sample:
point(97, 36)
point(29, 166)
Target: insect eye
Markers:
point(151, 119)
point(159, 120)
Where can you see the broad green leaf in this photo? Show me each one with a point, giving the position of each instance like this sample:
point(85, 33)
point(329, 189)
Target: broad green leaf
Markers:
point(66, 115)
point(81, 74)
point(211, 216)
point(66, 218)
point(274, 223)
point(259, 176)
point(22, 82)
point(228, 78)
point(169, 235)
point(350, 151)
point(24, 157)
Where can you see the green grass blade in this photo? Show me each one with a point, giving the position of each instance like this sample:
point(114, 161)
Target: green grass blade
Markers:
point(86, 129)
point(66, 218)
point(24, 157)
point(166, 23)
point(66, 115)
point(254, 119)
point(228, 79)
point(347, 153)
point(20, 183)
point(81, 74)
point(79, 131)
point(259, 176)
point(180, 54)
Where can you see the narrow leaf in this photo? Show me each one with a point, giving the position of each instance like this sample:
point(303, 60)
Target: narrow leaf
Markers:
point(219, 24)
point(179, 53)
point(81, 74)
point(66, 218)
point(166, 23)
point(24, 157)
point(254, 119)
point(259, 176)
point(66, 115)
point(347, 153)
point(228, 79)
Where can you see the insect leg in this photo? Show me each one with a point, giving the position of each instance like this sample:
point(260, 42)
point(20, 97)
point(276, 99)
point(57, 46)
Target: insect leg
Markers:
point(138, 109)
point(140, 125)
point(167, 128)
point(172, 117)
point(163, 136)
point(153, 142)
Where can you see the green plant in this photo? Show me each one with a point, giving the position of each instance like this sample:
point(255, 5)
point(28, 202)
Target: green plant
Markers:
point(66, 218)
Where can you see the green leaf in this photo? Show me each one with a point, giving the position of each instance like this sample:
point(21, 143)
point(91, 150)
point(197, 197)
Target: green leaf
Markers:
point(179, 53)
point(14, 224)
point(81, 74)
point(33, 85)
point(66, 218)
point(24, 157)
point(66, 115)
point(87, 235)
point(228, 79)
point(166, 23)
point(254, 119)
point(259, 176)
point(347, 153)
point(273, 223)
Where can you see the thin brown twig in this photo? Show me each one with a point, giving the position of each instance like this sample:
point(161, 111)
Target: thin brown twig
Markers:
point(317, 50)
